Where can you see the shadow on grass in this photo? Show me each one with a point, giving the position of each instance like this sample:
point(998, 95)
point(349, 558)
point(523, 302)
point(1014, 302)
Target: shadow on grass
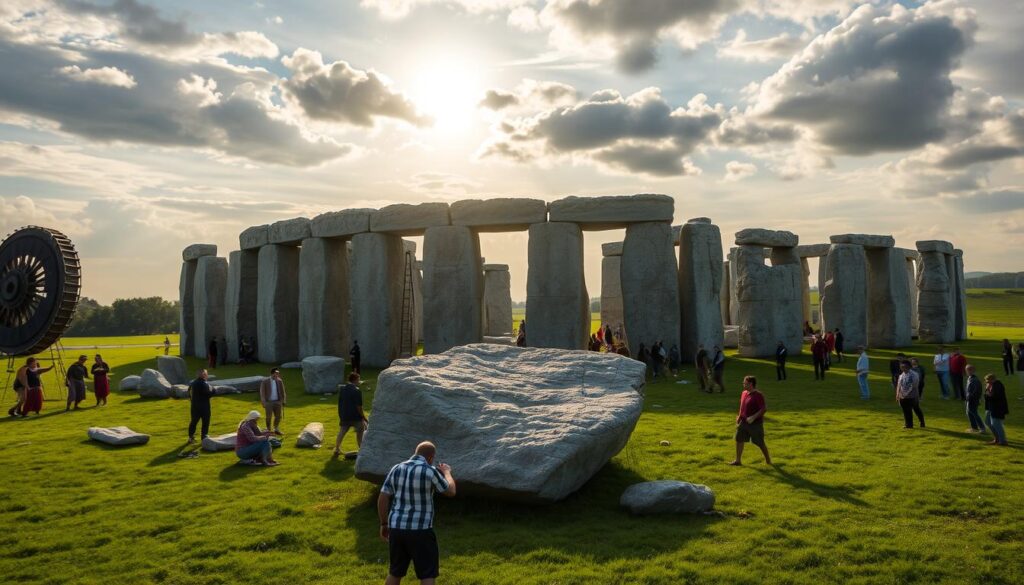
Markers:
point(238, 470)
point(107, 447)
point(831, 492)
point(339, 469)
point(168, 457)
point(977, 439)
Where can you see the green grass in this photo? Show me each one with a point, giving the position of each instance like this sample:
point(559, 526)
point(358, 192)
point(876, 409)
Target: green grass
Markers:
point(996, 305)
point(853, 498)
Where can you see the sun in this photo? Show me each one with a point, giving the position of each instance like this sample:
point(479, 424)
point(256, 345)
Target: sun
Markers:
point(447, 87)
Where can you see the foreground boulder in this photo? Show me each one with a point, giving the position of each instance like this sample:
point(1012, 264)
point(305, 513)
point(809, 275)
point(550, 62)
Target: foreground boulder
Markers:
point(321, 374)
point(117, 436)
point(219, 442)
point(153, 384)
point(667, 497)
point(129, 383)
point(524, 424)
point(173, 368)
point(312, 435)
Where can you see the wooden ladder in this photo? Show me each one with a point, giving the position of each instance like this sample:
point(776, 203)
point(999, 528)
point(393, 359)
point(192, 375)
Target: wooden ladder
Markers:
point(407, 345)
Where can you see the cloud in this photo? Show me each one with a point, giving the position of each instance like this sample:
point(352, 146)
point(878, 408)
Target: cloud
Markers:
point(496, 99)
point(781, 46)
point(20, 211)
point(102, 75)
point(531, 93)
point(737, 171)
point(989, 201)
point(336, 92)
point(394, 9)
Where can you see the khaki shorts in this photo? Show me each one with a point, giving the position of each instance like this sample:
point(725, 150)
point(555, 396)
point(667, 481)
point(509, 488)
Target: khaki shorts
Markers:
point(754, 433)
point(358, 425)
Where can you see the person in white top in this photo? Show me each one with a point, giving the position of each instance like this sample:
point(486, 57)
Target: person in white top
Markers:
point(274, 398)
point(941, 363)
point(862, 372)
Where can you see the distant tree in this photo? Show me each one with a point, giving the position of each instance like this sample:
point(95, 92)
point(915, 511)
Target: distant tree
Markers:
point(139, 316)
point(595, 305)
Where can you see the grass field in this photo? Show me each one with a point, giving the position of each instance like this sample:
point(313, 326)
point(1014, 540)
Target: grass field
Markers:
point(853, 498)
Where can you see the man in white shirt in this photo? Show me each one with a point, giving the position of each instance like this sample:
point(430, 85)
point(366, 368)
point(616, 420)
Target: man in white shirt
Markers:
point(862, 372)
point(941, 363)
point(274, 398)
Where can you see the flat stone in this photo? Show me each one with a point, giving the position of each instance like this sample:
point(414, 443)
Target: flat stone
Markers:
point(612, 212)
point(936, 299)
point(224, 442)
point(769, 302)
point(405, 219)
point(522, 424)
point(220, 390)
point(197, 251)
point(174, 369)
point(495, 267)
point(289, 232)
point(499, 340)
point(557, 303)
point(187, 310)
point(117, 436)
point(241, 300)
point(698, 220)
point(812, 250)
point(453, 288)
point(245, 384)
point(502, 214)
point(866, 240)
point(611, 249)
point(888, 303)
point(322, 374)
point(909, 253)
point(667, 497)
point(612, 312)
point(934, 246)
point(254, 237)
point(152, 384)
point(650, 287)
point(341, 224)
point(129, 383)
point(700, 286)
point(312, 435)
point(291, 366)
point(766, 238)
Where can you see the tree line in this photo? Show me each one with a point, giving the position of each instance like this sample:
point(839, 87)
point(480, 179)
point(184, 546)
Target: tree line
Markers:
point(139, 316)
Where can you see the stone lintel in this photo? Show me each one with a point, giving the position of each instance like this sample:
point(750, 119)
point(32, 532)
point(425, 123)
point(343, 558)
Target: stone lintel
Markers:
point(612, 212)
point(289, 232)
point(766, 238)
point(812, 250)
point(196, 251)
point(866, 240)
point(934, 246)
point(408, 219)
point(341, 224)
point(611, 249)
point(503, 214)
point(254, 237)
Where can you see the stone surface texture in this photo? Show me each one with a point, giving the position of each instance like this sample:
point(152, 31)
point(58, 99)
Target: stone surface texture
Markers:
point(935, 302)
point(341, 224)
point(612, 212)
point(805, 290)
point(197, 251)
point(129, 383)
point(960, 329)
point(611, 291)
point(911, 270)
point(611, 249)
point(224, 442)
point(321, 374)
point(241, 299)
point(888, 305)
point(768, 299)
point(523, 424)
point(246, 384)
point(378, 274)
point(187, 309)
point(153, 384)
point(290, 232)
point(118, 436)
point(766, 238)
point(453, 288)
point(941, 246)
point(866, 240)
point(312, 435)
point(650, 287)
point(173, 368)
point(845, 295)
point(725, 295)
point(277, 324)
point(211, 283)
point(812, 250)
point(253, 238)
point(557, 304)
point(700, 286)
point(497, 300)
point(667, 497)
point(324, 323)
point(405, 219)
point(504, 214)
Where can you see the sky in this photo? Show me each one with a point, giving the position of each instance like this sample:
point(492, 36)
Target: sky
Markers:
point(138, 127)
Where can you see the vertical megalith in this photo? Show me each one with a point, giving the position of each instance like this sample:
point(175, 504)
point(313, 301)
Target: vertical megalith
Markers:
point(787, 303)
point(611, 285)
point(700, 286)
point(910, 258)
point(277, 323)
point(805, 290)
point(240, 304)
point(378, 277)
point(961, 295)
point(497, 300)
point(453, 288)
point(888, 313)
point(754, 297)
point(323, 298)
point(557, 305)
point(187, 312)
point(844, 297)
point(734, 304)
point(650, 286)
point(935, 285)
point(413, 272)
point(210, 290)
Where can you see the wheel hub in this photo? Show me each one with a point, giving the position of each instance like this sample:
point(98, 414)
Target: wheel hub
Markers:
point(13, 289)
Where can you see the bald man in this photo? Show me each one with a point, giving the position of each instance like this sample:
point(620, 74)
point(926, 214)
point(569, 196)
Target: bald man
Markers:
point(406, 511)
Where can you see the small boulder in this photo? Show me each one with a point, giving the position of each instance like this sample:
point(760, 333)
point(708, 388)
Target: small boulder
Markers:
point(117, 436)
point(178, 391)
point(322, 374)
point(153, 384)
point(173, 368)
point(312, 435)
point(291, 366)
point(665, 444)
point(129, 383)
point(220, 442)
point(667, 497)
point(219, 390)
point(247, 384)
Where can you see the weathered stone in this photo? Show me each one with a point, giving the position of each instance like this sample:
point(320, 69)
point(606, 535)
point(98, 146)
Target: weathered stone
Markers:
point(312, 435)
point(766, 238)
point(500, 214)
point(731, 336)
point(940, 246)
point(522, 424)
point(220, 390)
point(224, 442)
point(911, 264)
point(289, 232)
point(152, 384)
point(173, 368)
point(197, 251)
point(178, 391)
point(812, 250)
point(612, 212)
point(187, 309)
point(961, 295)
point(866, 240)
point(725, 296)
point(322, 374)
point(341, 224)
point(677, 233)
point(805, 289)
point(417, 289)
point(700, 286)
point(277, 306)
point(611, 249)
point(497, 300)
point(734, 300)
point(254, 237)
point(844, 298)
point(769, 302)
point(291, 366)
point(246, 384)
point(557, 305)
point(611, 291)
point(888, 303)
point(378, 273)
point(324, 322)
point(404, 219)
point(667, 497)
point(211, 283)
point(935, 303)
point(650, 286)
point(129, 383)
point(117, 436)
point(453, 288)
point(242, 300)
point(500, 339)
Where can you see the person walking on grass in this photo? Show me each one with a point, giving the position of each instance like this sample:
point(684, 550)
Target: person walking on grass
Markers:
point(919, 370)
point(252, 446)
point(350, 413)
point(274, 399)
point(355, 354)
point(76, 375)
point(199, 393)
point(750, 420)
point(657, 359)
point(863, 368)
point(101, 380)
point(973, 393)
point(996, 409)
point(702, 366)
point(941, 363)
point(839, 345)
point(167, 345)
point(717, 371)
point(1007, 356)
point(818, 352)
point(906, 396)
point(30, 377)
point(405, 508)
point(957, 365)
point(780, 361)
point(642, 355)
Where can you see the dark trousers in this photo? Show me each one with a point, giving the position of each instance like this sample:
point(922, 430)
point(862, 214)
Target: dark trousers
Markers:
point(911, 407)
point(355, 365)
point(780, 370)
point(200, 411)
point(819, 368)
point(839, 354)
point(958, 386)
point(717, 377)
point(1007, 364)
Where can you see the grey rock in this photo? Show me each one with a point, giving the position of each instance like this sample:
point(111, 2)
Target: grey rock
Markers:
point(322, 374)
point(246, 384)
point(911, 270)
point(324, 311)
point(766, 238)
point(152, 384)
point(557, 304)
point(187, 309)
point(497, 301)
point(312, 435)
point(934, 246)
point(769, 302)
point(866, 240)
point(224, 442)
point(725, 296)
point(453, 288)
point(812, 250)
point(700, 286)
point(888, 306)
point(515, 423)
point(936, 305)
point(499, 340)
point(960, 329)
point(277, 325)
point(667, 497)
point(650, 286)
point(118, 436)
point(178, 391)
point(611, 249)
point(289, 232)
point(211, 283)
point(129, 383)
point(404, 219)
point(612, 312)
point(197, 251)
point(291, 366)
point(497, 267)
point(341, 224)
point(241, 300)
point(221, 389)
point(173, 368)
point(376, 286)
point(845, 295)
point(503, 214)
point(612, 212)
point(731, 336)
point(254, 237)
point(805, 289)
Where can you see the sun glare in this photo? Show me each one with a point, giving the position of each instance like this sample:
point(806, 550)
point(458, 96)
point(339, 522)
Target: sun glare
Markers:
point(447, 88)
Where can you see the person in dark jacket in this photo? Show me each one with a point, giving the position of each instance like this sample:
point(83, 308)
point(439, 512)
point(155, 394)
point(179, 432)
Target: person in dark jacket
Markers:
point(350, 413)
point(199, 393)
point(894, 368)
point(211, 353)
point(673, 360)
point(839, 345)
point(717, 371)
point(917, 367)
point(973, 392)
point(703, 367)
point(657, 358)
point(780, 361)
point(644, 356)
point(1007, 357)
point(76, 375)
point(818, 352)
point(996, 409)
point(355, 356)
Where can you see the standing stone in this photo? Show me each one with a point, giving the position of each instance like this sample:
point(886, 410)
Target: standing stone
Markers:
point(277, 311)
point(734, 300)
point(497, 300)
point(961, 294)
point(844, 298)
point(378, 265)
point(724, 296)
point(805, 290)
point(700, 286)
point(187, 312)
point(417, 289)
point(754, 298)
point(240, 304)
point(453, 288)
point(650, 286)
point(210, 285)
point(557, 305)
point(787, 304)
point(888, 310)
point(910, 258)
point(935, 303)
point(323, 298)
point(611, 291)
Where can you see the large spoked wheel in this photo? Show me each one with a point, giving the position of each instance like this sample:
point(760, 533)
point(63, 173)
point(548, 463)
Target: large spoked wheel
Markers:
point(40, 282)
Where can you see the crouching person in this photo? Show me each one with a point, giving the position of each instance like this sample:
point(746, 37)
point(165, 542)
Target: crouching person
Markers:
point(252, 446)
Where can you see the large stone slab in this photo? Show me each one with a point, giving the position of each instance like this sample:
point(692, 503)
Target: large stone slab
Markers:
point(514, 423)
point(325, 325)
point(253, 238)
point(611, 249)
point(769, 302)
point(117, 436)
point(173, 368)
point(417, 289)
point(341, 224)
point(845, 295)
point(211, 283)
point(197, 251)
point(766, 238)
point(378, 273)
point(322, 374)
point(453, 288)
point(497, 300)
point(502, 214)
point(187, 309)
point(812, 250)
point(700, 286)
point(888, 305)
point(940, 246)
point(911, 268)
point(612, 212)
point(312, 435)
point(960, 302)
point(404, 219)
point(277, 308)
point(667, 497)
point(557, 305)
point(734, 301)
point(241, 300)
point(611, 291)
point(725, 295)
point(224, 442)
point(244, 384)
point(289, 232)
point(153, 384)
point(805, 289)
point(935, 302)
point(866, 240)
point(650, 286)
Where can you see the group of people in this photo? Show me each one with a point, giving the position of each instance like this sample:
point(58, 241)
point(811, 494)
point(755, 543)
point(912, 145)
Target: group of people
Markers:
point(28, 385)
point(217, 350)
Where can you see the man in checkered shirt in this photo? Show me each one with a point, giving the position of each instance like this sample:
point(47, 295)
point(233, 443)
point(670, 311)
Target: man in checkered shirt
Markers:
point(406, 511)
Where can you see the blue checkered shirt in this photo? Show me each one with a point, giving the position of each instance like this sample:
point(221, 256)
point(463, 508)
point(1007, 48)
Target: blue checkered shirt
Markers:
point(412, 485)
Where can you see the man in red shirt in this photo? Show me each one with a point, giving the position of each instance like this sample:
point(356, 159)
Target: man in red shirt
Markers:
point(750, 420)
point(819, 352)
point(957, 365)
